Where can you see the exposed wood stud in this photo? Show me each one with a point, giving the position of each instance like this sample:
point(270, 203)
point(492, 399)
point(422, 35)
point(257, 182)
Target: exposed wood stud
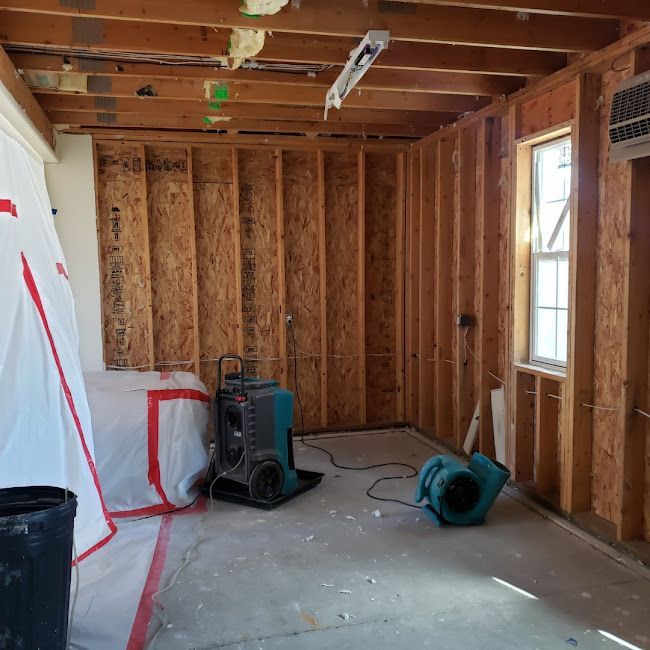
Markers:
point(279, 210)
point(464, 276)
point(238, 261)
point(400, 285)
point(195, 283)
point(444, 214)
point(361, 284)
point(488, 236)
point(524, 426)
point(322, 264)
point(426, 257)
point(575, 484)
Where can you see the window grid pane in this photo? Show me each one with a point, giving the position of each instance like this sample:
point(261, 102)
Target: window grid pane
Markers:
point(549, 248)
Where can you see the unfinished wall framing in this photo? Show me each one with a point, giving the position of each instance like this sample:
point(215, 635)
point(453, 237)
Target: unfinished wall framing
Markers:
point(577, 438)
point(205, 249)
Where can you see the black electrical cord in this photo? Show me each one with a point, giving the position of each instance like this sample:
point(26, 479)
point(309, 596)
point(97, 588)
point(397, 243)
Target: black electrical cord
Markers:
point(329, 453)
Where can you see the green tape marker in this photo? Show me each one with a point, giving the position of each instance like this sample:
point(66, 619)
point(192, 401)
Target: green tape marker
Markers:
point(220, 92)
point(207, 120)
point(215, 106)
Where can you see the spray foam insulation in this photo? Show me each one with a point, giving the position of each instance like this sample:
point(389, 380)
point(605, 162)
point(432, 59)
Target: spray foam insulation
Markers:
point(262, 7)
point(244, 44)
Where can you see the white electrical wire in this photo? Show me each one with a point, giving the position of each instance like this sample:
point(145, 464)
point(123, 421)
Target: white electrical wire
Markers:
point(643, 413)
point(469, 349)
point(161, 613)
point(600, 408)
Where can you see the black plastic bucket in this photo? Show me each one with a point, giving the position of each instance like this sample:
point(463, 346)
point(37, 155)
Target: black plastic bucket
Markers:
point(36, 525)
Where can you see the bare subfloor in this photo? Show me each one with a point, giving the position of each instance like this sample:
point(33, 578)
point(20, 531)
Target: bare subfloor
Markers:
point(321, 572)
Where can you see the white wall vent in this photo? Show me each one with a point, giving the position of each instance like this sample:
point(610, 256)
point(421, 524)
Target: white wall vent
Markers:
point(629, 119)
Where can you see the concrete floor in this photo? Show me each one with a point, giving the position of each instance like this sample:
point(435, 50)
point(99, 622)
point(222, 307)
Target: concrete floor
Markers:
point(260, 580)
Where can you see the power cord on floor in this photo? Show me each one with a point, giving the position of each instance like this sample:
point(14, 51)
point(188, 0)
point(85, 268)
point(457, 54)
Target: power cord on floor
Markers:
point(414, 472)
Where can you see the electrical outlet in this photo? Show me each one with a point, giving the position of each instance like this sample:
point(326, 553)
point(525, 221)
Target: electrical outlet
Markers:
point(288, 317)
point(464, 320)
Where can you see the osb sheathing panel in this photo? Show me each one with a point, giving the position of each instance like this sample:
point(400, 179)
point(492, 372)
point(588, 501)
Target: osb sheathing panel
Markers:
point(413, 288)
point(123, 253)
point(341, 197)
point(380, 287)
point(259, 271)
point(454, 294)
point(505, 193)
point(302, 272)
point(171, 250)
point(548, 110)
point(216, 262)
point(614, 196)
point(475, 328)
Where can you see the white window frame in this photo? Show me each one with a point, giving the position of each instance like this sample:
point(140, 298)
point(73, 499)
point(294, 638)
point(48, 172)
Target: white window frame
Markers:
point(534, 256)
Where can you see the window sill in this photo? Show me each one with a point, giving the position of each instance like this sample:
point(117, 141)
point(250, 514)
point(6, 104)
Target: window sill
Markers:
point(541, 371)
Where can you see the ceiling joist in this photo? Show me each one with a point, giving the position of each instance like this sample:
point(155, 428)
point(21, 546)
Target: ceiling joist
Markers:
point(620, 9)
point(74, 118)
point(409, 22)
point(375, 79)
point(266, 93)
point(154, 106)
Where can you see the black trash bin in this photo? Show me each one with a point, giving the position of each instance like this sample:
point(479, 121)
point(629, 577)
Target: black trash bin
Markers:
point(36, 525)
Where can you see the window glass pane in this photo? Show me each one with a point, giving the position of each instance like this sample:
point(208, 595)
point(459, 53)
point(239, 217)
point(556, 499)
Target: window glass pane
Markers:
point(562, 335)
point(546, 282)
point(545, 333)
point(563, 284)
point(551, 191)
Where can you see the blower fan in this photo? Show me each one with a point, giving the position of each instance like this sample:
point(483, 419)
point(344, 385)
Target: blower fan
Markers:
point(457, 494)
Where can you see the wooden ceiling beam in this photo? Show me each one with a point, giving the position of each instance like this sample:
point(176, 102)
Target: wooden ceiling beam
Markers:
point(375, 79)
point(264, 93)
point(25, 103)
point(195, 122)
point(154, 106)
point(618, 9)
point(52, 32)
point(410, 22)
point(263, 141)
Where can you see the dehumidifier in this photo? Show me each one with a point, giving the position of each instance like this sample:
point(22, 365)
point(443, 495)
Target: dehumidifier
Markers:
point(253, 459)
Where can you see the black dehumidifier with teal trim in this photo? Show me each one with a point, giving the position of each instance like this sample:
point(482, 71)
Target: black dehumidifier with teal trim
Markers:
point(253, 461)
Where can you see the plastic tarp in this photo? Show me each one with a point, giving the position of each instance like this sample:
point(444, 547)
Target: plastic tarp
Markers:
point(150, 438)
point(45, 436)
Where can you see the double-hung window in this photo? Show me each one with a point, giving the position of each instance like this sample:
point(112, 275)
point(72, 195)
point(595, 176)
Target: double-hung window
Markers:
point(550, 241)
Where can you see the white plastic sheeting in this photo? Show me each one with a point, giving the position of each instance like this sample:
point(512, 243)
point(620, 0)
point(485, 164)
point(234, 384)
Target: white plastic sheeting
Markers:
point(150, 438)
point(113, 607)
point(45, 436)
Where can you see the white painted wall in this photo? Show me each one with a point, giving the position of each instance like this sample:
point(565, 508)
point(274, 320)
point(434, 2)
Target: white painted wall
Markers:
point(71, 185)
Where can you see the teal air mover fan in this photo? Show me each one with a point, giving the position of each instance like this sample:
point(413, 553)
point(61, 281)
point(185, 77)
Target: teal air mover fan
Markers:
point(460, 495)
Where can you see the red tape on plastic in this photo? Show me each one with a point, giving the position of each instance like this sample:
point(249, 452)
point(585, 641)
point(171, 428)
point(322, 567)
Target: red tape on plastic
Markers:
point(8, 207)
point(36, 297)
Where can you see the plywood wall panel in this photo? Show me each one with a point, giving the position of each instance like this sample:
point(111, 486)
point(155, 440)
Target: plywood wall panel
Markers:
point(380, 287)
point(302, 271)
point(216, 257)
point(259, 267)
point(236, 237)
point(548, 110)
point(412, 319)
point(608, 335)
point(341, 197)
point(171, 250)
point(124, 255)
